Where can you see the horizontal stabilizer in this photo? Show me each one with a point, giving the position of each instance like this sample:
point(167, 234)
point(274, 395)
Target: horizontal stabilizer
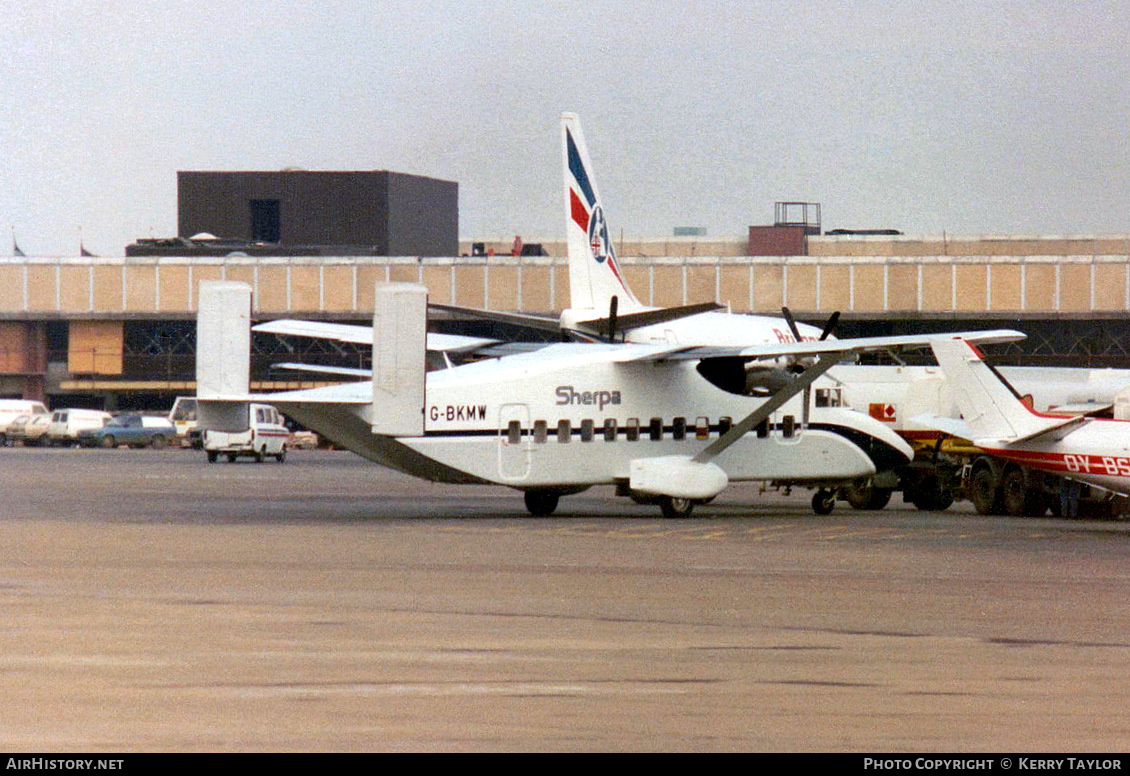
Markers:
point(341, 371)
point(630, 321)
point(951, 426)
point(363, 335)
point(1057, 430)
point(539, 322)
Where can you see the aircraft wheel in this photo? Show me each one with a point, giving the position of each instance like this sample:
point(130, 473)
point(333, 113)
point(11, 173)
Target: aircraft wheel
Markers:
point(823, 502)
point(864, 495)
point(541, 503)
point(984, 493)
point(676, 507)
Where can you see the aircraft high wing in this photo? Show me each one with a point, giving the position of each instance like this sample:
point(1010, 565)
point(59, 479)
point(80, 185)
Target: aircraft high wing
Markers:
point(647, 418)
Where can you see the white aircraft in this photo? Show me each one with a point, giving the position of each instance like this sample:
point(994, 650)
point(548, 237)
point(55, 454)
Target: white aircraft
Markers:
point(1095, 451)
point(603, 307)
point(890, 394)
point(654, 420)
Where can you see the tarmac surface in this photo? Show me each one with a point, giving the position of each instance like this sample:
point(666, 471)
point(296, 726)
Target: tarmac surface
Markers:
point(154, 602)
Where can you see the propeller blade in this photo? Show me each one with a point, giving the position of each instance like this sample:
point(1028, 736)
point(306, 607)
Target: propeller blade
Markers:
point(792, 323)
point(613, 306)
point(830, 326)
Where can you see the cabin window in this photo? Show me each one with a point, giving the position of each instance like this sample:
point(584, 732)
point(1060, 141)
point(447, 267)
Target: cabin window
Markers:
point(587, 426)
point(514, 432)
point(564, 431)
point(679, 428)
point(610, 430)
point(788, 426)
point(655, 429)
point(541, 432)
point(725, 423)
point(829, 397)
point(702, 428)
point(633, 429)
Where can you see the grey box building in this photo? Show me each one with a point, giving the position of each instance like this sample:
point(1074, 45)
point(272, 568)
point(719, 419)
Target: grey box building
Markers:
point(374, 212)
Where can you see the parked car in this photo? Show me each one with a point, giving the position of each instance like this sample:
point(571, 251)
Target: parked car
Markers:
point(132, 430)
point(302, 440)
point(265, 435)
point(29, 429)
point(10, 409)
point(66, 424)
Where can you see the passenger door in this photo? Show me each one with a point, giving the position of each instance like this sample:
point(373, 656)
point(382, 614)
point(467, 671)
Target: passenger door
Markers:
point(514, 441)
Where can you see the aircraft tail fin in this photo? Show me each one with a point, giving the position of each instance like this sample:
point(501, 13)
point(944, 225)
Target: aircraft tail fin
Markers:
point(400, 331)
point(223, 355)
point(990, 407)
point(594, 273)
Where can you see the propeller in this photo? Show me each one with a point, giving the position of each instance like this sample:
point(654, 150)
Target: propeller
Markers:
point(613, 306)
point(829, 325)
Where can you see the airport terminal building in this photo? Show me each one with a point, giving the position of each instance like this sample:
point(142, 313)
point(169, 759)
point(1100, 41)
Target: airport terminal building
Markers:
point(119, 332)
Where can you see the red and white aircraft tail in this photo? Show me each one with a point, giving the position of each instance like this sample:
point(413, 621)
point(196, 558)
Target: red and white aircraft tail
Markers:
point(992, 411)
point(1091, 450)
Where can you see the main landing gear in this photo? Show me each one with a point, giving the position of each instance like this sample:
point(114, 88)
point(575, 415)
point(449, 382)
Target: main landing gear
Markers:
point(824, 501)
point(676, 507)
point(541, 503)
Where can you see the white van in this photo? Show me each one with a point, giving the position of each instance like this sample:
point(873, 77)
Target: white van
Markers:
point(183, 416)
point(66, 425)
point(266, 435)
point(10, 409)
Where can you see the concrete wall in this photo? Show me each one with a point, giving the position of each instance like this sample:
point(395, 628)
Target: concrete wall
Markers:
point(853, 246)
point(146, 287)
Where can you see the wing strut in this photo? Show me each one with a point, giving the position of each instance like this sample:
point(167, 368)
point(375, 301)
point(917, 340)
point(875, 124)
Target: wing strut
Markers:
point(741, 428)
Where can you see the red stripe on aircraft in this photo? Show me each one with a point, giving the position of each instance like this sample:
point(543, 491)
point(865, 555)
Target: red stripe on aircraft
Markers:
point(579, 212)
point(1076, 463)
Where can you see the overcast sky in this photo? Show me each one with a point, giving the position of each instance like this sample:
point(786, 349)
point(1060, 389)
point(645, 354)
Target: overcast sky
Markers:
point(971, 117)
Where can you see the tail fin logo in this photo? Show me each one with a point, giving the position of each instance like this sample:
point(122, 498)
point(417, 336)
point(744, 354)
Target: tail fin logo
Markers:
point(598, 235)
